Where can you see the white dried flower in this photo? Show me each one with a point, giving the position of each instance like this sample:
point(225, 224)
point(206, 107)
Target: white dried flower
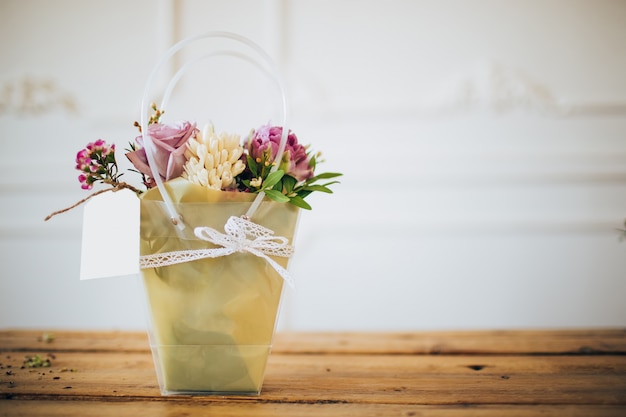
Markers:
point(213, 161)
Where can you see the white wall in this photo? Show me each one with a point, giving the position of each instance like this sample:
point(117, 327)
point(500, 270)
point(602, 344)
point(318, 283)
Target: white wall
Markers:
point(483, 145)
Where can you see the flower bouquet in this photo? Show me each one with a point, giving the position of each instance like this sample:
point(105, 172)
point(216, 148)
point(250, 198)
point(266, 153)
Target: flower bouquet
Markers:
point(217, 218)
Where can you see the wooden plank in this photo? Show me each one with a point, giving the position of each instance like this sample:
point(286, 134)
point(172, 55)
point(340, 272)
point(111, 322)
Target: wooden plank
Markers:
point(184, 407)
point(68, 340)
point(365, 379)
point(582, 341)
point(451, 380)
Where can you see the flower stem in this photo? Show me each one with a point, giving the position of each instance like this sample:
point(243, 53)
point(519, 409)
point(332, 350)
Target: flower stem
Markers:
point(114, 188)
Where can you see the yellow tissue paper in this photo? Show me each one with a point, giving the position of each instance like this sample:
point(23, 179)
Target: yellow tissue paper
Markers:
point(212, 319)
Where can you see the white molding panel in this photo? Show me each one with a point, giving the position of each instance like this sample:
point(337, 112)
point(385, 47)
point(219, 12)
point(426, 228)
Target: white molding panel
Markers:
point(483, 147)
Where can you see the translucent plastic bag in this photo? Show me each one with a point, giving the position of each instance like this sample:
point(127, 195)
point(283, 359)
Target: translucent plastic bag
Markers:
point(212, 320)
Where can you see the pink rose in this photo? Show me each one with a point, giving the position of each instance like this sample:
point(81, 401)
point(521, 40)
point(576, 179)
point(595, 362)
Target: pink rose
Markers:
point(263, 145)
point(169, 142)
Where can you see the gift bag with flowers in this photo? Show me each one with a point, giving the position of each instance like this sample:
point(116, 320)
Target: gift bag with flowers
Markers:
point(217, 220)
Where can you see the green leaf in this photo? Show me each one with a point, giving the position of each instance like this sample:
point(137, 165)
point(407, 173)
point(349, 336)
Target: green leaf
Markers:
point(288, 183)
point(316, 187)
point(299, 201)
point(327, 175)
point(273, 178)
point(303, 193)
point(279, 186)
point(252, 165)
point(131, 147)
point(330, 183)
point(276, 196)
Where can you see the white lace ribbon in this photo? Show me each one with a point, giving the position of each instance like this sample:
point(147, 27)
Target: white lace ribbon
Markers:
point(236, 239)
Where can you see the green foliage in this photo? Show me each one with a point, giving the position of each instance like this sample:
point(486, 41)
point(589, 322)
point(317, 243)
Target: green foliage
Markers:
point(280, 187)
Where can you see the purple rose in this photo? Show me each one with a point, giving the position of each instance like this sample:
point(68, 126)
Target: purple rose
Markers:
point(169, 143)
point(263, 146)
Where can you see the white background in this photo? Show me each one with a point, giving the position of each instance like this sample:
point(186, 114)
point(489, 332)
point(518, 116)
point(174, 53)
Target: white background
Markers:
point(483, 145)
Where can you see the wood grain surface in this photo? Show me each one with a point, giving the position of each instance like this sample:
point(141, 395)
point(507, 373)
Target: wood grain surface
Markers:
point(470, 373)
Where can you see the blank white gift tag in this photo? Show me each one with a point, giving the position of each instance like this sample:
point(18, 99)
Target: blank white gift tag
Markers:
point(110, 236)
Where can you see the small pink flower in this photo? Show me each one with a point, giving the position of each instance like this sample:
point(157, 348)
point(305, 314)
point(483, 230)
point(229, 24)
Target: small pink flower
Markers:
point(82, 159)
point(82, 155)
point(84, 182)
point(97, 145)
point(169, 141)
point(108, 150)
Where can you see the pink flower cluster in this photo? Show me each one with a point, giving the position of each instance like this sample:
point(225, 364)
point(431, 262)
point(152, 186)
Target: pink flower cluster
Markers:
point(96, 162)
point(263, 147)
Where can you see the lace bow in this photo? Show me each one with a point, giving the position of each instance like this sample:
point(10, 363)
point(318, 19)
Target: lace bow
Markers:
point(236, 239)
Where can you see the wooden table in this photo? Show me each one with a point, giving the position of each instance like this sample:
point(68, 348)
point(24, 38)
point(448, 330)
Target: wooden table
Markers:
point(481, 373)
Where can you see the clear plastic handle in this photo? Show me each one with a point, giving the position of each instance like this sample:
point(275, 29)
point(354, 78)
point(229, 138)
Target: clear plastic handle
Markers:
point(263, 62)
